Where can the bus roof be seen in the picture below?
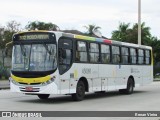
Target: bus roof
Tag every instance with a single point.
(102, 40)
(88, 38)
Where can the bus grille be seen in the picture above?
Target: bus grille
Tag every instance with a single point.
(34, 89)
(29, 84)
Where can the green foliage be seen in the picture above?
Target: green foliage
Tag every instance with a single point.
(41, 26)
(90, 29)
(122, 33)
(126, 34)
(7, 33)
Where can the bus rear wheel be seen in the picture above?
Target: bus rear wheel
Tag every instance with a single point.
(43, 96)
(80, 92)
(130, 87)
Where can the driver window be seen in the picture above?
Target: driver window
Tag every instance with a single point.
(65, 55)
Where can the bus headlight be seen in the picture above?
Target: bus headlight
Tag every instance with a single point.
(13, 81)
(49, 81)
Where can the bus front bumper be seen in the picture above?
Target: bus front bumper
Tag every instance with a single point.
(37, 89)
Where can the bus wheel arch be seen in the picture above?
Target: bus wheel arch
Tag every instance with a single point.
(81, 88)
(130, 86)
(84, 80)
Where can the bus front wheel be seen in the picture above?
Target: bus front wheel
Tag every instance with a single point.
(43, 96)
(80, 92)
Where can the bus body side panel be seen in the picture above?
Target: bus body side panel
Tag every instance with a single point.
(147, 74)
(70, 79)
(122, 74)
(107, 73)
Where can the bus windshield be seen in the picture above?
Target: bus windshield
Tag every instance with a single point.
(34, 57)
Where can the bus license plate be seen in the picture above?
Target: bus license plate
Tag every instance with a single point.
(29, 89)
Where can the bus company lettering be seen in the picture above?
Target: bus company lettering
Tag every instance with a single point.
(34, 37)
(86, 70)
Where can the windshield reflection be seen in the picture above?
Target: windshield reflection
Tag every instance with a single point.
(35, 57)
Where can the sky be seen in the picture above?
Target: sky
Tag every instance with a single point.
(75, 14)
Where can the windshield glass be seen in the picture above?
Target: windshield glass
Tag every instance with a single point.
(34, 57)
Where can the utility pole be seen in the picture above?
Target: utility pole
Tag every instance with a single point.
(139, 22)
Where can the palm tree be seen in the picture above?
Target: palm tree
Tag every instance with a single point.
(145, 34)
(121, 33)
(90, 29)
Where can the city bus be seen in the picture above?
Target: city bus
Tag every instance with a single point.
(55, 62)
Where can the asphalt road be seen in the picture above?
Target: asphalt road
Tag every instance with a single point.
(145, 98)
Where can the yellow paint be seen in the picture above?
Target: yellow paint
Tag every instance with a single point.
(31, 80)
(75, 74)
(32, 31)
(152, 57)
(84, 37)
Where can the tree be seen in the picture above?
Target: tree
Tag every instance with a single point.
(145, 34)
(41, 26)
(90, 29)
(122, 32)
(126, 34)
(8, 31)
(13, 26)
(6, 37)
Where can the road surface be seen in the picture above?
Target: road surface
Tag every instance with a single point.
(145, 98)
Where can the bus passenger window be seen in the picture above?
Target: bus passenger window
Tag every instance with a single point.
(94, 52)
(125, 55)
(147, 57)
(105, 53)
(133, 56)
(140, 56)
(81, 53)
(115, 54)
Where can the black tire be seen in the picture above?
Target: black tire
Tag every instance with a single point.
(130, 87)
(80, 92)
(43, 96)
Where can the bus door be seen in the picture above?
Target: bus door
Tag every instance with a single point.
(65, 60)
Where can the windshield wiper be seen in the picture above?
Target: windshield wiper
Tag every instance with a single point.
(23, 50)
(46, 47)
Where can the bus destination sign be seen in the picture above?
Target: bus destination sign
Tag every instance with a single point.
(34, 37)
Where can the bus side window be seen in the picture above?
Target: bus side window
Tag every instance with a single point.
(65, 55)
(105, 53)
(140, 56)
(116, 54)
(133, 56)
(81, 52)
(147, 57)
(94, 52)
(125, 55)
